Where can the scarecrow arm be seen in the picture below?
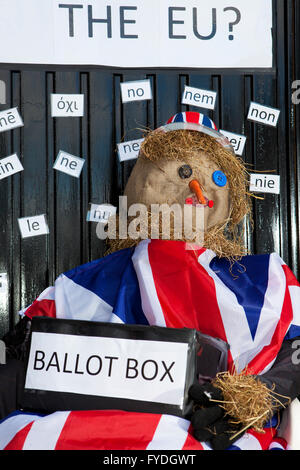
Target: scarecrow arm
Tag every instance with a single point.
(209, 420)
(285, 372)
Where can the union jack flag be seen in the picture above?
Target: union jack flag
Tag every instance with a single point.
(194, 117)
(253, 305)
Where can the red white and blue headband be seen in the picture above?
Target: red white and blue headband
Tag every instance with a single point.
(194, 121)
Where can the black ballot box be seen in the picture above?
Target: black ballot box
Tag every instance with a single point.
(81, 365)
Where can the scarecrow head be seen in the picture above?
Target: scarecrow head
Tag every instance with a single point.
(188, 162)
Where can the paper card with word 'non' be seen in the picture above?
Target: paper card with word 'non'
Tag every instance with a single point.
(263, 114)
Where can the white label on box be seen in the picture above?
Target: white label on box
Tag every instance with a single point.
(69, 164)
(262, 183)
(136, 91)
(264, 114)
(10, 119)
(33, 226)
(237, 141)
(101, 212)
(129, 150)
(152, 371)
(67, 105)
(10, 165)
(197, 97)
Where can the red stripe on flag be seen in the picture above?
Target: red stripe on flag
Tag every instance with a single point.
(192, 116)
(264, 438)
(191, 443)
(42, 308)
(186, 292)
(268, 353)
(18, 440)
(279, 440)
(290, 277)
(169, 121)
(107, 430)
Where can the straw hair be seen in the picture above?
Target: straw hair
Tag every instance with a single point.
(247, 401)
(185, 144)
(226, 239)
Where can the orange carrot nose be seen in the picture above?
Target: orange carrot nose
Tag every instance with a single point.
(196, 188)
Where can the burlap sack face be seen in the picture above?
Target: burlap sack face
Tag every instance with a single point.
(159, 183)
(155, 180)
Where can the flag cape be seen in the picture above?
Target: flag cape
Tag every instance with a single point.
(114, 430)
(253, 305)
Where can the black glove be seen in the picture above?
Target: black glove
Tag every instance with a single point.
(209, 421)
(16, 340)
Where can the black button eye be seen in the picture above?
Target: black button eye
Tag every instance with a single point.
(185, 171)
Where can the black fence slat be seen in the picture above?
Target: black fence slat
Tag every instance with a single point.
(34, 185)
(167, 96)
(50, 156)
(102, 149)
(85, 195)
(267, 211)
(6, 216)
(295, 167)
(134, 120)
(16, 204)
(204, 82)
(68, 213)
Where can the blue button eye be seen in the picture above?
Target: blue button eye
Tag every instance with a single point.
(219, 178)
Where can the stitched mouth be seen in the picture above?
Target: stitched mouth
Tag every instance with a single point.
(193, 200)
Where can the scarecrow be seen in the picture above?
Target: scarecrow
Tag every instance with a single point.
(203, 279)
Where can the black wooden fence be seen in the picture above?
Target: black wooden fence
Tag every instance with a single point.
(33, 263)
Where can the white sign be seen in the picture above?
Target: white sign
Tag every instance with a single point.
(33, 226)
(264, 114)
(264, 183)
(69, 164)
(136, 91)
(100, 212)
(148, 33)
(237, 141)
(3, 284)
(109, 367)
(9, 166)
(67, 105)
(198, 97)
(129, 150)
(10, 119)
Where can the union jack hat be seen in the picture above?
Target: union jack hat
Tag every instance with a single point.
(191, 120)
